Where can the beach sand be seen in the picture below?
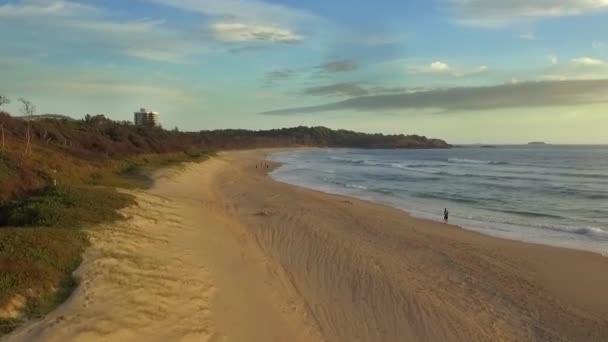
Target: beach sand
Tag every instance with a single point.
(220, 252)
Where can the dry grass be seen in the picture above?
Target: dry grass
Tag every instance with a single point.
(41, 240)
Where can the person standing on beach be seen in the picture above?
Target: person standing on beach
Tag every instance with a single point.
(445, 215)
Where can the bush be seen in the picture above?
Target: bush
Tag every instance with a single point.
(37, 264)
(65, 207)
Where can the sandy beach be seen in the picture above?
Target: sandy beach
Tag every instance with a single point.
(218, 251)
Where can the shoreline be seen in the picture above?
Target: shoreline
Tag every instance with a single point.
(221, 251)
(470, 225)
(461, 284)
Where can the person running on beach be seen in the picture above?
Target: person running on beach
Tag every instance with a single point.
(445, 215)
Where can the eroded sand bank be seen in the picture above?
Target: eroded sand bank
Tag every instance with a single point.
(220, 252)
(180, 268)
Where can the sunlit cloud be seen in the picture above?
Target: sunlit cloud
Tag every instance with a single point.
(441, 68)
(588, 61)
(240, 32)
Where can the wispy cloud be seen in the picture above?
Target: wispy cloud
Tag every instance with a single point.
(580, 68)
(588, 61)
(158, 55)
(98, 29)
(273, 76)
(249, 11)
(500, 13)
(248, 20)
(343, 65)
(46, 8)
(513, 95)
(109, 83)
(596, 45)
(528, 36)
(320, 71)
(349, 89)
(241, 32)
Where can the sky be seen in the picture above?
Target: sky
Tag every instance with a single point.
(467, 71)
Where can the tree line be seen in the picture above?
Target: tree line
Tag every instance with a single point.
(96, 136)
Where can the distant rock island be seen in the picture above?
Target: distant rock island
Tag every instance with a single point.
(537, 143)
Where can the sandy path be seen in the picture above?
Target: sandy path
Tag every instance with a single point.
(372, 273)
(179, 269)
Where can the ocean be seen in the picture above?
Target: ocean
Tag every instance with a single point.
(555, 195)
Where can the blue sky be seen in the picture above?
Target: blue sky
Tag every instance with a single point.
(464, 70)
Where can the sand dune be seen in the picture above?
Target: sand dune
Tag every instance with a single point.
(179, 269)
(221, 252)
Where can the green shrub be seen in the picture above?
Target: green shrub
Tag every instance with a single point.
(65, 207)
(37, 263)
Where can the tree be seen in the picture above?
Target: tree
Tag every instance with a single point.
(3, 100)
(2, 133)
(28, 109)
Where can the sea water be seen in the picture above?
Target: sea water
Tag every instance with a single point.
(556, 195)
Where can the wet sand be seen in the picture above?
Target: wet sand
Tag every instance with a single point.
(373, 273)
(221, 252)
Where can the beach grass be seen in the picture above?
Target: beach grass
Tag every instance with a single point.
(36, 265)
(42, 237)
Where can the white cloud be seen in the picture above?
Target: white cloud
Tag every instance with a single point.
(240, 32)
(439, 67)
(251, 20)
(553, 59)
(442, 68)
(581, 68)
(158, 55)
(436, 67)
(588, 61)
(498, 13)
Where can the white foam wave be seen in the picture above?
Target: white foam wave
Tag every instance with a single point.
(474, 161)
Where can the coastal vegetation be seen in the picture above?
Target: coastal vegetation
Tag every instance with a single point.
(59, 175)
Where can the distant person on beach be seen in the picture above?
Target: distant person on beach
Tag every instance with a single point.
(445, 215)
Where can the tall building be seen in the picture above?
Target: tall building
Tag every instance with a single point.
(146, 118)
